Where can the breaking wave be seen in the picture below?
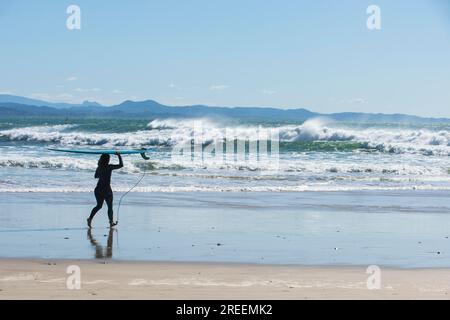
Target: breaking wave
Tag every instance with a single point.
(317, 155)
(296, 167)
(313, 135)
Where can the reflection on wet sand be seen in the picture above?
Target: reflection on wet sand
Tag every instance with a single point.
(100, 252)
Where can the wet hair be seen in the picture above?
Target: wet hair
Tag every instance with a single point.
(103, 161)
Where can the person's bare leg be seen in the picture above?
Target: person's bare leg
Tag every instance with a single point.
(97, 208)
(109, 203)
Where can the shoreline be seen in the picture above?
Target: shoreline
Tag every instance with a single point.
(238, 190)
(46, 279)
(221, 263)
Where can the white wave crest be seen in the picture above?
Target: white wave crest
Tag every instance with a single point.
(171, 132)
(209, 189)
(60, 135)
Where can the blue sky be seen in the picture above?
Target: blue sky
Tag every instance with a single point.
(313, 54)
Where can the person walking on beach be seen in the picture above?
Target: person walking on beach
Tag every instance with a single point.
(103, 191)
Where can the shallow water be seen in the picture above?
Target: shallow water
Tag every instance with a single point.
(402, 229)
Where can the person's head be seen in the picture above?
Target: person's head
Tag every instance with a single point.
(103, 161)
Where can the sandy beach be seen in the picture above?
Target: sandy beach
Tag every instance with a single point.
(227, 246)
(45, 279)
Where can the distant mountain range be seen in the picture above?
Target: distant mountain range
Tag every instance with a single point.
(7, 98)
(15, 106)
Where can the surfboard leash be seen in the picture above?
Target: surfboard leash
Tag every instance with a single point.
(126, 193)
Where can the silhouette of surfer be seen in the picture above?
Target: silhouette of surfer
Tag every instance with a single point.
(103, 191)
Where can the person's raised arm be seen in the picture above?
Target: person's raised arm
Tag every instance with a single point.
(118, 166)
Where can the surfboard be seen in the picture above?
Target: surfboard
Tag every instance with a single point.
(93, 151)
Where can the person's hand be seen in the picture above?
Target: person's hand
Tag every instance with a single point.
(117, 153)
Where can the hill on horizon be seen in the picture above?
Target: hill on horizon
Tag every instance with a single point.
(16, 106)
(8, 98)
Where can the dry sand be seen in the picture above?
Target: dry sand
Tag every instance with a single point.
(45, 279)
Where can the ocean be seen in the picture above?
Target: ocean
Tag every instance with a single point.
(317, 155)
(327, 193)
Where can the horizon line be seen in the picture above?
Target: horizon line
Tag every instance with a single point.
(215, 106)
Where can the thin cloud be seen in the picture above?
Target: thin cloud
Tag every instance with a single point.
(268, 92)
(42, 96)
(54, 98)
(355, 101)
(349, 101)
(87, 90)
(218, 87)
(73, 78)
(65, 96)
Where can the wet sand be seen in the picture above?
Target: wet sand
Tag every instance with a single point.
(409, 229)
(228, 246)
(46, 279)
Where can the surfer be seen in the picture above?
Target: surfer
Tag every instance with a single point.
(103, 191)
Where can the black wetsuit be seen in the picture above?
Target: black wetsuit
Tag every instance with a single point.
(103, 191)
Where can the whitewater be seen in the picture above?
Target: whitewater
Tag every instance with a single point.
(317, 155)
